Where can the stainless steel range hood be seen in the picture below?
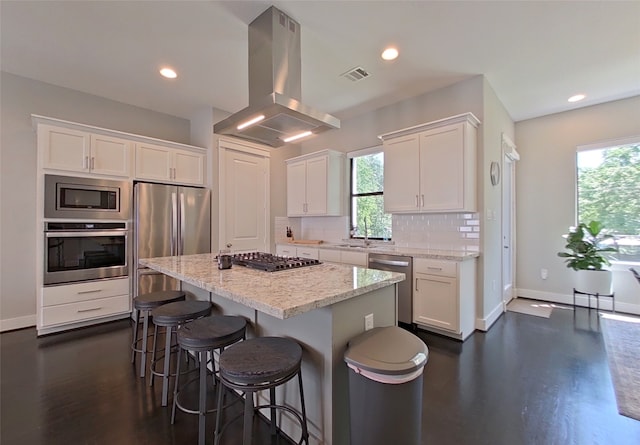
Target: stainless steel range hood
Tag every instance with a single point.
(275, 86)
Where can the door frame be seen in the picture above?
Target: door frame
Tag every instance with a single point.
(507, 224)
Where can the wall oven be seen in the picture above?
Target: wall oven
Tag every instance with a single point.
(86, 198)
(81, 251)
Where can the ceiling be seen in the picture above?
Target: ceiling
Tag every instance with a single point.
(534, 54)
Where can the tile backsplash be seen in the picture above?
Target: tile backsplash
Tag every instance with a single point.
(444, 231)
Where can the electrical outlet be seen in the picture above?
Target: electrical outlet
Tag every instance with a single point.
(544, 273)
(368, 322)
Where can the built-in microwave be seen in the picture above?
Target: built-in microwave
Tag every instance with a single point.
(86, 198)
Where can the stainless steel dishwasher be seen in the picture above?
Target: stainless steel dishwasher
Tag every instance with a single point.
(402, 264)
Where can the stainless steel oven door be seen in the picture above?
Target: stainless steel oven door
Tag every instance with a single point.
(72, 256)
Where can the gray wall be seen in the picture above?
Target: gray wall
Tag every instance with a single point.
(19, 98)
(472, 95)
(546, 195)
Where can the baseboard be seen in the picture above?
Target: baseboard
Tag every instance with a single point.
(483, 324)
(581, 300)
(11, 324)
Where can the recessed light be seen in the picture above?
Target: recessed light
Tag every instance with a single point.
(576, 98)
(168, 73)
(390, 53)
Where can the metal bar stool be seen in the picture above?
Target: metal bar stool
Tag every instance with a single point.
(256, 365)
(201, 336)
(171, 316)
(146, 303)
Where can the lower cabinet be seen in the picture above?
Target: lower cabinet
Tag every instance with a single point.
(300, 252)
(444, 296)
(83, 302)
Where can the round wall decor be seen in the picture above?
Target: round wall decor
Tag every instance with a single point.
(494, 173)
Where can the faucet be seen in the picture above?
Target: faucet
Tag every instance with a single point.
(366, 233)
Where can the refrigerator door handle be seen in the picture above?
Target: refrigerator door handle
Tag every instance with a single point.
(174, 224)
(182, 224)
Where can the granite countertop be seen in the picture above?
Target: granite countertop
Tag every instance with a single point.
(391, 249)
(282, 294)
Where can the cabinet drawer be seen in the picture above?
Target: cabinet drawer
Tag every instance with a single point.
(332, 256)
(306, 252)
(355, 258)
(436, 267)
(285, 251)
(74, 293)
(84, 310)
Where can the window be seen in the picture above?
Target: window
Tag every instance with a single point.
(609, 192)
(367, 195)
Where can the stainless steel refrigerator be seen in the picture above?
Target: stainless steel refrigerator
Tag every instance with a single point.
(168, 220)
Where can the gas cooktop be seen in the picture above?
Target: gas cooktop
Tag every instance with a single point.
(269, 262)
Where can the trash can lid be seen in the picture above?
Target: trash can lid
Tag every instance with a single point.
(387, 350)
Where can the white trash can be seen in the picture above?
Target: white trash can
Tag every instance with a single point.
(385, 386)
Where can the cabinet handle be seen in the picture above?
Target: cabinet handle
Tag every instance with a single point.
(85, 162)
(89, 291)
(417, 201)
(434, 268)
(93, 163)
(422, 200)
(89, 310)
(416, 284)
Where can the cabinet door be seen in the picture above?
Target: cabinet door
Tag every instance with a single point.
(64, 149)
(316, 186)
(188, 167)
(153, 162)
(442, 168)
(435, 302)
(110, 156)
(296, 185)
(354, 258)
(401, 180)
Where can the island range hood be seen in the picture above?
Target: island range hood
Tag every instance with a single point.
(275, 114)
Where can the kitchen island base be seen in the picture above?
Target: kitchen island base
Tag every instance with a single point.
(323, 334)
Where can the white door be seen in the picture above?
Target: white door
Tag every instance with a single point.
(316, 186)
(510, 156)
(401, 174)
(244, 191)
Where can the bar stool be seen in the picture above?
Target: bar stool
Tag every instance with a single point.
(201, 336)
(146, 303)
(258, 364)
(171, 316)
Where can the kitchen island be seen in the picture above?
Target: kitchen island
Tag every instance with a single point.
(322, 307)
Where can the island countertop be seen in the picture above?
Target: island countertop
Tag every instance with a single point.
(281, 294)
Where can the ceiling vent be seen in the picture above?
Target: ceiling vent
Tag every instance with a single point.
(356, 74)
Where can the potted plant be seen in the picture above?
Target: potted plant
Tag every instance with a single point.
(587, 246)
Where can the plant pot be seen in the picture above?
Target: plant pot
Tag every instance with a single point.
(594, 282)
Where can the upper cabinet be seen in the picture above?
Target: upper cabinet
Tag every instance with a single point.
(432, 167)
(81, 151)
(314, 184)
(73, 147)
(159, 163)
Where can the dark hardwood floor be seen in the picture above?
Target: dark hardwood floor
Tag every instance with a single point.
(529, 380)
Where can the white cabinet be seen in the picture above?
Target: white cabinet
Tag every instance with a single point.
(80, 151)
(297, 252)
(444, 296)
(168, 164)
(343, 257)
(75, 303)
(314, 184)
(431, 167)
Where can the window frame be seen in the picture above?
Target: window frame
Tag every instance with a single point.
(356, 154)
(611, 143)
